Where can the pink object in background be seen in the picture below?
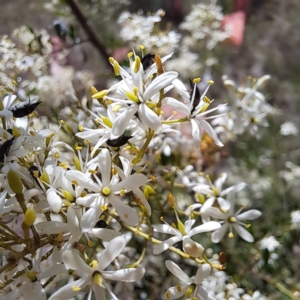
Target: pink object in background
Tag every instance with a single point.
(236, 21)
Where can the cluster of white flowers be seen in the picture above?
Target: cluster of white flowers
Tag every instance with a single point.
(67, 211)
(204, 24)
(291, 176)
(247, 109)
(143, 30)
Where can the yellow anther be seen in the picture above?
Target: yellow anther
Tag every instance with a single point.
(94, 172)
(137, 64)
(32, 133)
(130, 54)
(196, 80)
(248, 225)
(76, 288)
(93, 90)
(153, 178)
(206, 100)
(64, 166)
(106, 121)
(103, 207)
(62, 122)
(132, 96)
(83, 194)
(77, 147)
(178, 288)
(75, 182)
(167, 295)
(230, 235)
(80, 127)
(171, 200)
(122, 192)
(94, 264)
(113, 171)
(116, 108)
(216, 192)
(201, 198)
(173, 225)
(68, 195)
(161, 218)
(90, 243)
(87, 141)
(56, 155)
(210, 82)
(100, 94)
(142, 47)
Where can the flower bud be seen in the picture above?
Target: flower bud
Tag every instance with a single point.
(30, 217)
(15, 182)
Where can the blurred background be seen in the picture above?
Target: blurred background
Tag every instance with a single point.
(62, 47)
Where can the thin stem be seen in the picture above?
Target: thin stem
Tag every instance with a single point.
(90, 30)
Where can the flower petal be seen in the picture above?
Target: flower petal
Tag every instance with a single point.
(243, 233)
(177, 271)
(206, 227)
(159, 83)
(127, 214)
(52, 227)
(113, 249)
(217, 236)
(104, 234)
(125, 275)
(149, 117)
(210, 131)
(104, 160)
(177, 105)
(73, 261)
(196, 133)
(202, 273)
(122, 121)
(131, 182)
(90, 218)
(54, 200)
(83, 180)
(67, 291)
(251, 214)
(166, 228)
(157, 249)
(173, 292)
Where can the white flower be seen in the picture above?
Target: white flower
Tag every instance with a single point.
(232, 220)
(269, 243)
(183, 233)
(288, 128)
(179, 290)
(295, 216)
(215, 192)
(139, 98)
(104, 189)
(195, 110)
(95, 277)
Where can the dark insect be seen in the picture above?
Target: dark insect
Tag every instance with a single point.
(34, 172)
(4, 149)
(118, 142)
(197, 95)
(101, 224)
(148, 60)
(24, 110)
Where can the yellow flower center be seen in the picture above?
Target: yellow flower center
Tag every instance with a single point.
(106, 191)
